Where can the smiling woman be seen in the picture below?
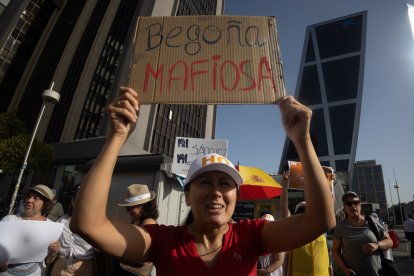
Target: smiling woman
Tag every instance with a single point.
(210, 243)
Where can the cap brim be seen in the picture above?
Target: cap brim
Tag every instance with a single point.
(42, 193)
(138, 202)
(221, 167)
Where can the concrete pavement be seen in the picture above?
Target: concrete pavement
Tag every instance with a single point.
(402, 255)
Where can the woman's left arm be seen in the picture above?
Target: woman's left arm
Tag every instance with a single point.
(384, 244)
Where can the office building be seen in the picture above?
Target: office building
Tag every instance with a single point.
(330, 82)
(368, 183)
(85, 48)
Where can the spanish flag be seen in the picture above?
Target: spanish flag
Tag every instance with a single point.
(257, 184)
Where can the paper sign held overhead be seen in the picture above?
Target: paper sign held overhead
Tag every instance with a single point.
(188, 149)
(207, 60)
(297, 180)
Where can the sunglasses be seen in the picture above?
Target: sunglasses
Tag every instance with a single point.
(353, 202)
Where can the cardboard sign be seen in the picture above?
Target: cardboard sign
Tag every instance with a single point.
(297, 181)
(188, 149)
(206, 60)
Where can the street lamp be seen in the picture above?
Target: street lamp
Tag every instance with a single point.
(396, 186)
(48, 96)
(392, 203)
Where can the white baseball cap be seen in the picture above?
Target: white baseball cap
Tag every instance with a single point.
(212, 162)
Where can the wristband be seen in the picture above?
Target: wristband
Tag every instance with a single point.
(379, 244)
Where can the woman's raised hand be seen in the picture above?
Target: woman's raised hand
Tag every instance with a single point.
(295, 118)
(123, 112)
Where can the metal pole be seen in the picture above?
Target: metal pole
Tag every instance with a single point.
(396, 186)
(48, 96)
(392, 203)
(24, 165)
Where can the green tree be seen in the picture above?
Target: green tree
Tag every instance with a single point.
(14, 141)
(11, 126)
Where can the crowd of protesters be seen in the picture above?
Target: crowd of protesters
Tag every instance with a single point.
(210, 242)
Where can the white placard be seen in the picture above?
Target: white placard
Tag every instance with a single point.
(187, 149)
(27, 241)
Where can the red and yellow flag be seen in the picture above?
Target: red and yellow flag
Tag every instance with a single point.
(257, 184)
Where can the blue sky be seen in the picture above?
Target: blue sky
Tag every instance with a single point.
(256, 136)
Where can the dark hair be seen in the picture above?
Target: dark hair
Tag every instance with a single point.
(301, 210)
(348, 194)
(47, 204)
(150, 210)
(189, 219)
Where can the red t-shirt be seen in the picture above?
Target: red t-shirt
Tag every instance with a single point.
(173, 251)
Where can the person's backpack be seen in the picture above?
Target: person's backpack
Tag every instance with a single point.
(395, 239)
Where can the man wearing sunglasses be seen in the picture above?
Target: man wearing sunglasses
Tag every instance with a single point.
(355, 248)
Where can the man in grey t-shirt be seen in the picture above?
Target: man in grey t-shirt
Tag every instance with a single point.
(353, 238)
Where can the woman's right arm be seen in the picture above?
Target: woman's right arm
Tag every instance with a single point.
(337, 255)
(89, 219)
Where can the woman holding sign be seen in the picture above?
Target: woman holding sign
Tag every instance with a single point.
(211, 244)
(37, 203)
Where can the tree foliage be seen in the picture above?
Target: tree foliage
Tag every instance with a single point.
(11, 126)
(14, 141)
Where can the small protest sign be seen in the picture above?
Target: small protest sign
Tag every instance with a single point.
(207, 60)
(297, 181)
(187, 149)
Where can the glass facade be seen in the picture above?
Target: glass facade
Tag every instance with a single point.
(368, 182)
(19, 46)
(330, 83)
(74, 74)
(48, 61)
(91, 123)
(170, 120)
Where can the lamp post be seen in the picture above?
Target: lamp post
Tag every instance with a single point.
(48, 96)
(396, 186)
(392, 203)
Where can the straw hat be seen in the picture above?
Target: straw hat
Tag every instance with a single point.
(137, 194)
(212, 162)
(300, 205)
(44, 190)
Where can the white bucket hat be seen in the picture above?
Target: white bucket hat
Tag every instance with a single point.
(137, 194)
(212, 162)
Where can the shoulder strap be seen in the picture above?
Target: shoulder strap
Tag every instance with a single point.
(372, 225)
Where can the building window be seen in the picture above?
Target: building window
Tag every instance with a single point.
(318, 132)
(339, 37)
(93, 112)
(341, 78)
(342, 124)
(342, 165)
(310, 90)
(310, 52)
